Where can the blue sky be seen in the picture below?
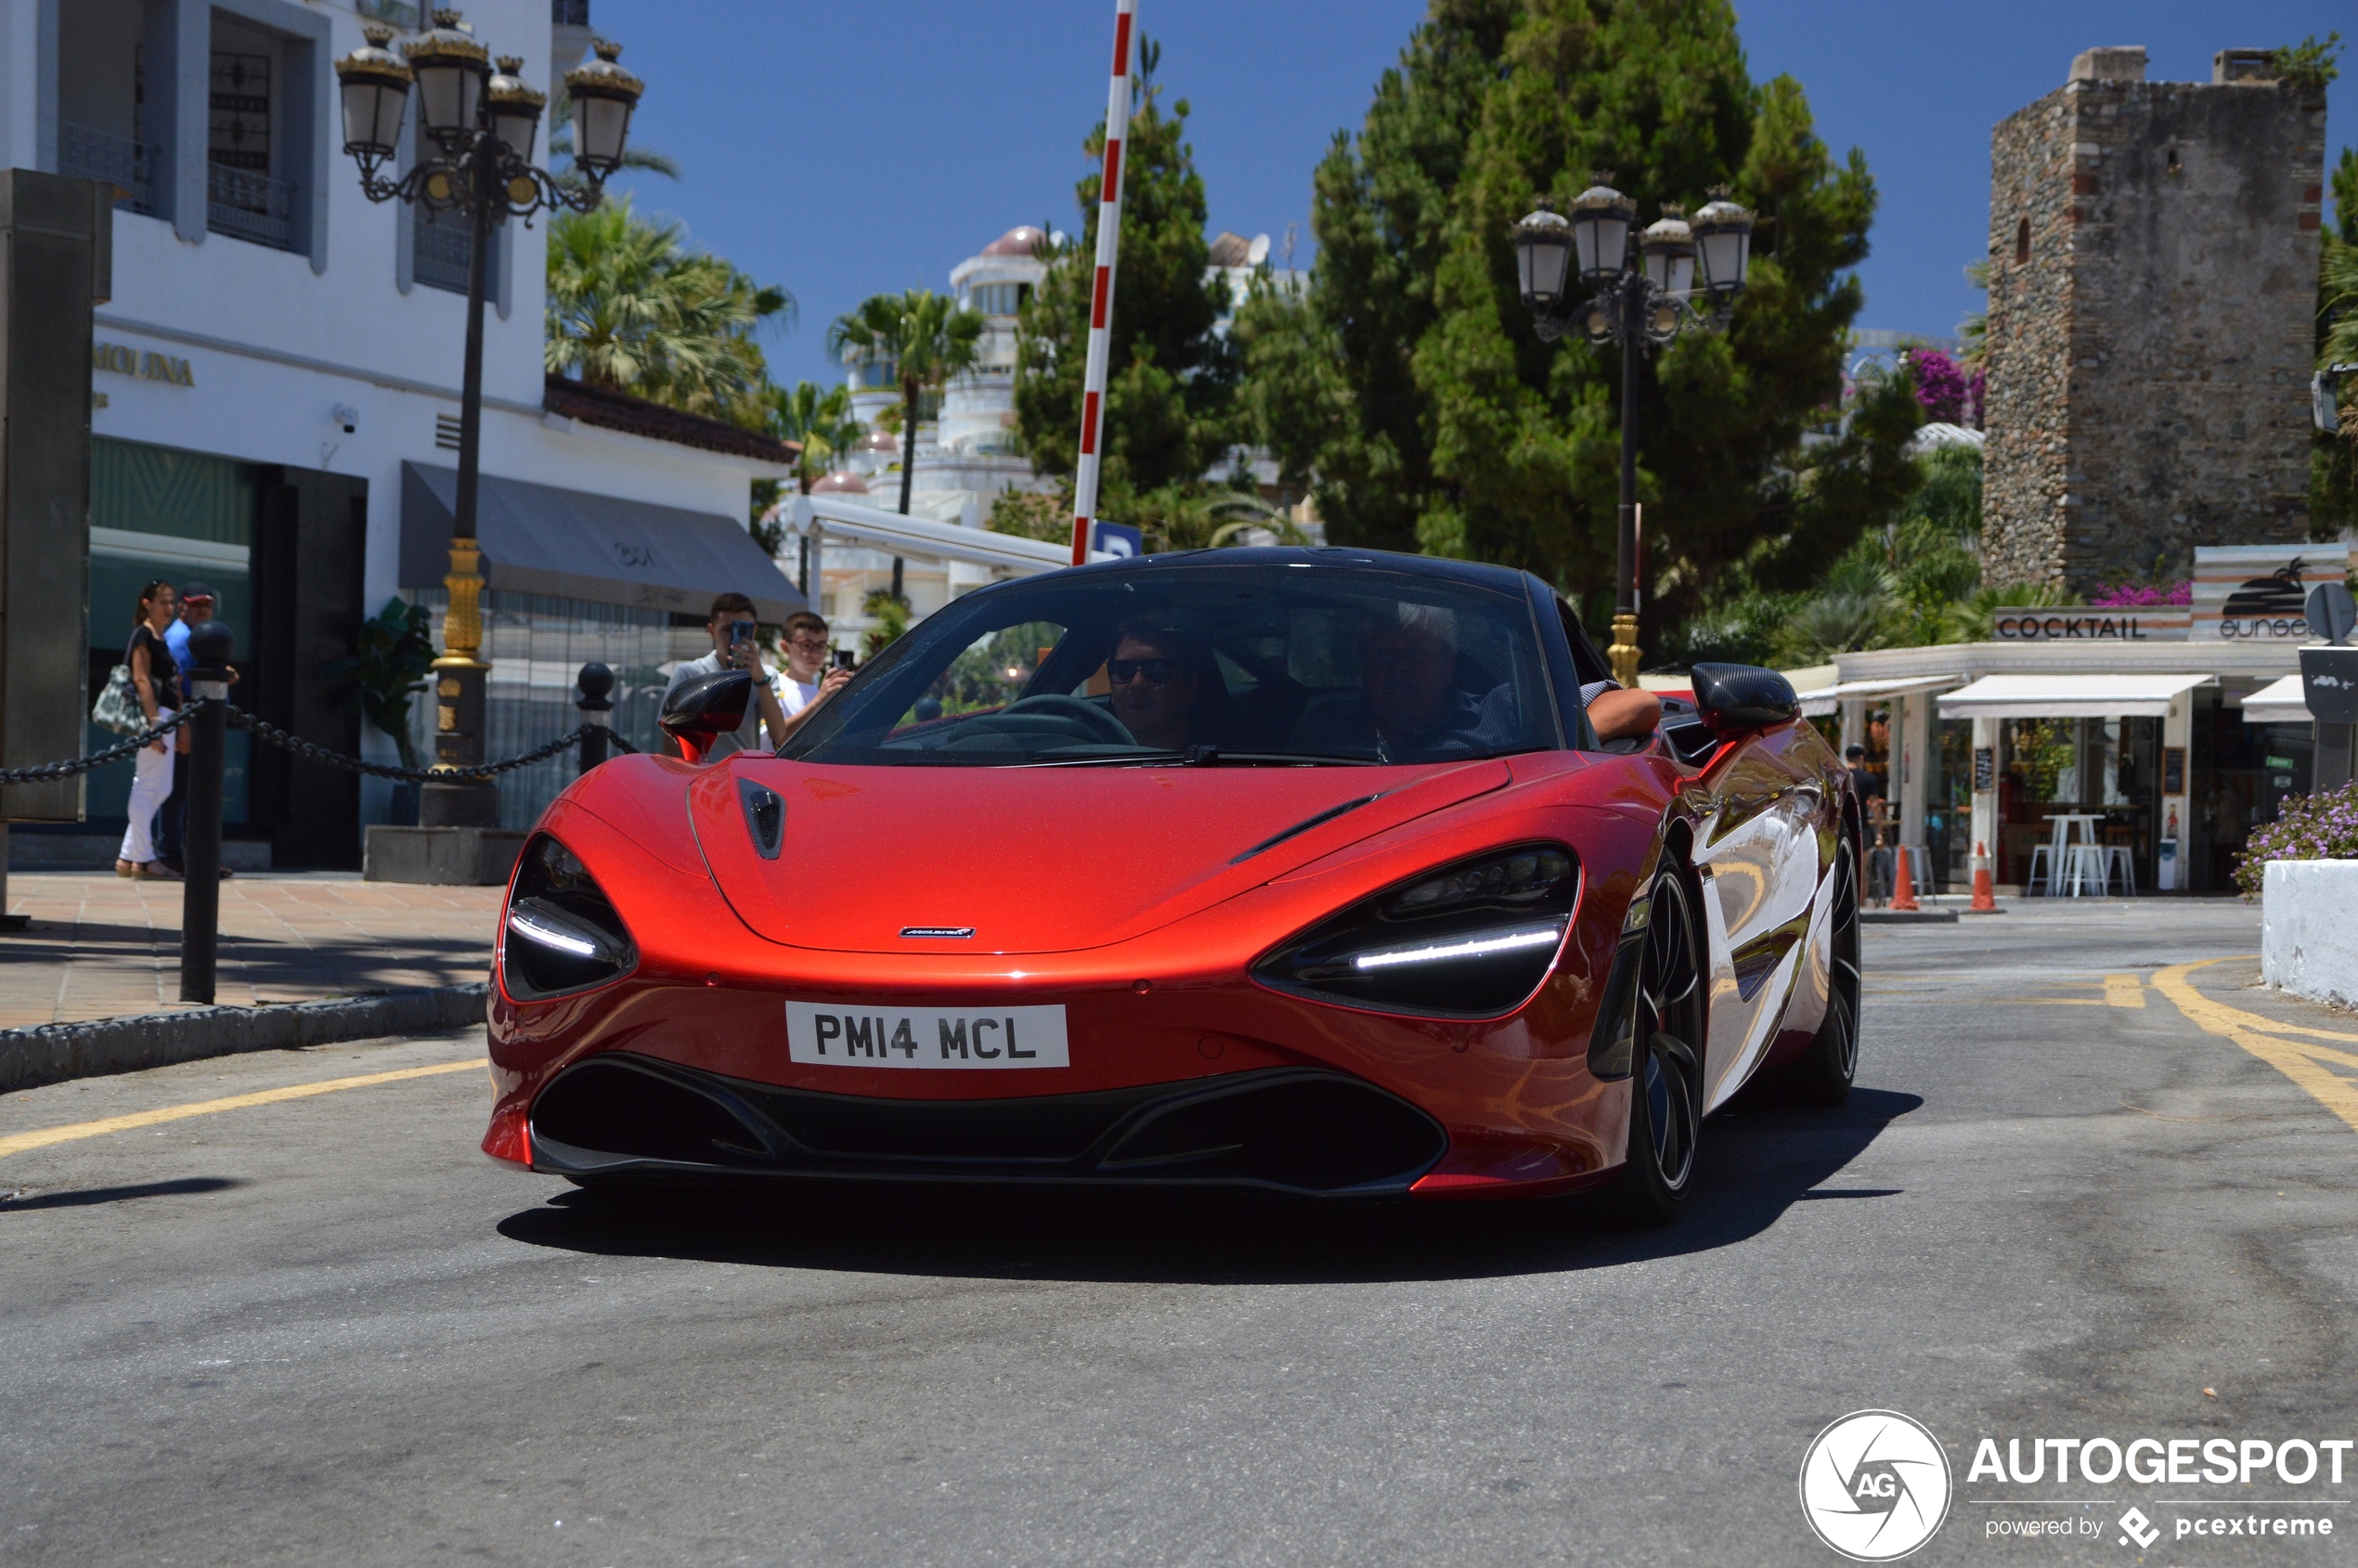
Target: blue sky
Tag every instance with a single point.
(844, 150)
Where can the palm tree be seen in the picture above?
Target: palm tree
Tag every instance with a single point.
(820, 420)
(630, 308)
(927, 338)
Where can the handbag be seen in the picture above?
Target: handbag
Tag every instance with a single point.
(118, 707)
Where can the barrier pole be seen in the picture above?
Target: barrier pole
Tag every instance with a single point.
(596, 706)
(210, 646)
(1093, 383)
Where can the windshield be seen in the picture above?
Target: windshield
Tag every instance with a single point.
(1209, 664)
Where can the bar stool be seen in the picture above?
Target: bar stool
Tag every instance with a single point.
(2084, 871)
(2041, 878)
(2119, 859)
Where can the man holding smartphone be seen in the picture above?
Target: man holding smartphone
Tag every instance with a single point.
(807, 678)
(735, 628)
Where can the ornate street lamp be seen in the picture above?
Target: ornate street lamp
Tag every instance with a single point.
(1642, 303)
(476, 130)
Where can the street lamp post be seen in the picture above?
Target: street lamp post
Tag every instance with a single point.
(476, 128)
(1645, 292)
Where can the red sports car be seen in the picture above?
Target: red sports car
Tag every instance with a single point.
(1299, 871)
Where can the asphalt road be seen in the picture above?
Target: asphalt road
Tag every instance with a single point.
(323, 1329)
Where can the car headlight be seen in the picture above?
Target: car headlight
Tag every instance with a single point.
(1469, 940)
(563, 932)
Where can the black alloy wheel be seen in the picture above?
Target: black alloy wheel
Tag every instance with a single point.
(1665, 1101)
(1822, 1076)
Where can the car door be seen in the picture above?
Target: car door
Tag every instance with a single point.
(1757, 855)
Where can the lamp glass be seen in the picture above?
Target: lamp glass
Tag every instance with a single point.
(1602, 235)
(600, 129)
(1543, 250)
(372, 110)
(517, 124)
(449, 96)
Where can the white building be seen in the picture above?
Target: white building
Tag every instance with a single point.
(275, 398)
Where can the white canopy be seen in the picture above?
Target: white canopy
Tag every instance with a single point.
(1826, 699)
(2280, 701)
(2069, 696)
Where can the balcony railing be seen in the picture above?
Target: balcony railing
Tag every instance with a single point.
(439, 258)
(129, 166)
(249, 206)
(393, 13)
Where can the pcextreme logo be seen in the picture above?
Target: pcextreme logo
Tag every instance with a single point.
(1875, 1486)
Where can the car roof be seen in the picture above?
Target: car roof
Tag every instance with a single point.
(1503, 579)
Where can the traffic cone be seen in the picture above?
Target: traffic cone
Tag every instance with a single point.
(1985, 896)
(1903, 880)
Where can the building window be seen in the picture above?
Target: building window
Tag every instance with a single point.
(244, 195)
(101, 131)
(2021, 241)
(998, 299)
(438, 253)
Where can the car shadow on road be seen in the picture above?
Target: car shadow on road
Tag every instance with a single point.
(1757, 1160)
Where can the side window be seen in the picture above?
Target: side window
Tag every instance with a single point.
(989, 673)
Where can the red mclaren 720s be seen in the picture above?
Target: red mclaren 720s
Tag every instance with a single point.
(1301, 872)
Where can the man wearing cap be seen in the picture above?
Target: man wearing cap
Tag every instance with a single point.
(196, 602)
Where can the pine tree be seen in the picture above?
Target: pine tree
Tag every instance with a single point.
(1412, 385)
(1170, 377)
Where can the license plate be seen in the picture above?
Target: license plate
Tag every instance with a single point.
(826, 1034)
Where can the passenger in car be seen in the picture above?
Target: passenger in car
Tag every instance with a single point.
(1411, 707)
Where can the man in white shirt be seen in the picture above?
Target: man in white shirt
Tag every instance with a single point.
(735, 628)
(806, 678)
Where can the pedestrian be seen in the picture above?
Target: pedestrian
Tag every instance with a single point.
(1868, 785)
(735, 628)
(806, 678)
(197, 605)
(153, 678)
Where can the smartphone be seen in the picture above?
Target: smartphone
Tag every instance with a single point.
(742, 632)
(843, 658)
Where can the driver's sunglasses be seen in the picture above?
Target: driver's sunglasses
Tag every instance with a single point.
(1157, 672)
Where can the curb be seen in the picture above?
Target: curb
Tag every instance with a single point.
(1908, 916)
(56, 1053)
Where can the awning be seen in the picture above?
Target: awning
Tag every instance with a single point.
(2069, 696)
(1827, 699)
(571, 544)
(2282, 701)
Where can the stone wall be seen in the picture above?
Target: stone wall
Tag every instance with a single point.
(2149, 355)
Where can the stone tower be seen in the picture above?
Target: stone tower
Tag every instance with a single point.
(2153, 285)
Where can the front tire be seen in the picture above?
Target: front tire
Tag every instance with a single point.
(1665, 1083)
(1822, 1075)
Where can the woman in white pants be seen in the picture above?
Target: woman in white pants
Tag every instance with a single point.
(153, 674)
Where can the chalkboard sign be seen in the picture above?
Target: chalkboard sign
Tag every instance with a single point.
(1985, 769)
(2173, 770)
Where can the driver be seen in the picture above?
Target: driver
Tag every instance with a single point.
(1411, 703)
(1162, 680)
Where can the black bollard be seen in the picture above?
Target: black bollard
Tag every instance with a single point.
(596, 703)
(210, 646)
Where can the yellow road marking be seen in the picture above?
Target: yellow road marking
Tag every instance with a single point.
(2124, 991)
(2305, 1064)
(42, 1138)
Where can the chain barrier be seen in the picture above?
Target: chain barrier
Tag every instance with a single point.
(49, 772)
(264, 729)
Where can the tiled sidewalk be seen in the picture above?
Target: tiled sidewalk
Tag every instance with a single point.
(100, 946)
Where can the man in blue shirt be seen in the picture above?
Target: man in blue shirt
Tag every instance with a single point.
(196, 603)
